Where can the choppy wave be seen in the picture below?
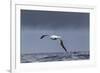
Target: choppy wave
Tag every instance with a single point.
(47, 57)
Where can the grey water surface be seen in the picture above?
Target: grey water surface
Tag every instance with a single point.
(48, 57)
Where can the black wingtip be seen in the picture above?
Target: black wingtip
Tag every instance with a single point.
(61, 43)
(43, 36)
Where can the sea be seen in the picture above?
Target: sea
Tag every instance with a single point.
(55, 56)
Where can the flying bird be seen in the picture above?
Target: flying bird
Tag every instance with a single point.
(55, 37)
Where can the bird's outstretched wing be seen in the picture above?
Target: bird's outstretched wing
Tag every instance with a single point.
(61, 43)
(43, 36)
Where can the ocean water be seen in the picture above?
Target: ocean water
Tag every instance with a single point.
(57, 56)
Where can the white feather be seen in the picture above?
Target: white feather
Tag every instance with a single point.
(55, 36)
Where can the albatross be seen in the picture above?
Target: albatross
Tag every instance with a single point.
(55, 37)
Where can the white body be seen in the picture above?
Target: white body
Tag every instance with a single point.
(55, 37)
